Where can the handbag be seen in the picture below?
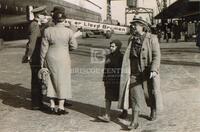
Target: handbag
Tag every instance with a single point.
(44, 76)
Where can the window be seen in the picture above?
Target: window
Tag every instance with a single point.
(16, 8)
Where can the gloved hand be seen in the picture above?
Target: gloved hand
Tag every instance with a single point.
(25, 59)
(153, 74)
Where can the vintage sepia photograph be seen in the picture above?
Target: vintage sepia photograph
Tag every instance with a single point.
(99, 65)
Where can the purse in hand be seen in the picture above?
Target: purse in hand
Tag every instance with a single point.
(44, 75)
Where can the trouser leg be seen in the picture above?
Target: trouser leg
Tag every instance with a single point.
(36, 90)
(135, 98)
(108, 106)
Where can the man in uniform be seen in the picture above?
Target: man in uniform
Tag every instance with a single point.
(32, 55)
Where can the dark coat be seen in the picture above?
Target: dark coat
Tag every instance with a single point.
(176, 32)
(198, 36)
(111, 77)
(34, 43)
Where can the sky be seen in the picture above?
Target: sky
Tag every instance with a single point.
(117, 8)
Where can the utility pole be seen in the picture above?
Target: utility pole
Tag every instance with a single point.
(134, 9)
(164, 4)
(108, 15)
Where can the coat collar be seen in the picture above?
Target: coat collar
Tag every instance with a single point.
(60, 25)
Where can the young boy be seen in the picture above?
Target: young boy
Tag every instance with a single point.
(111, 77)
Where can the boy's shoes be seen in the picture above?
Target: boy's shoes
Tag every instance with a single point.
(153, 115)
(134, 126)
(35, 108)
(104, 118)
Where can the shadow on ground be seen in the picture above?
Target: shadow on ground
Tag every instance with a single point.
(94, 111)
(184, 63)
(15, 95)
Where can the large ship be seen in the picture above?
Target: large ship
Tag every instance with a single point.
(13, 22)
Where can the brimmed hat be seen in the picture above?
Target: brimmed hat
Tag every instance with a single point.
(40, 10)
(58, 9)
(140, 21)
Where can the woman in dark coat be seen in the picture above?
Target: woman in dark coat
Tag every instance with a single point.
(111, 77)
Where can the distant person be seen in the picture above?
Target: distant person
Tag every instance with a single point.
(56, 43)
(140, 72)
(167, 32)
(176, 31)
(111, 77)
(198, 36)
(32, 55)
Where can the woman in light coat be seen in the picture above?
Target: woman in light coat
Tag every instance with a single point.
(56, 43)
(140, 73)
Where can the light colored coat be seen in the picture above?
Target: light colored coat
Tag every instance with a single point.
(56, 43)
(149, 58)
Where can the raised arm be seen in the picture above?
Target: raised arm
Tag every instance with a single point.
(72, 41)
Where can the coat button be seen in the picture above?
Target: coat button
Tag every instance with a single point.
(143, 58)
(143, 49)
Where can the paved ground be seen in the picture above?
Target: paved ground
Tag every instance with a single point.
(180, 73)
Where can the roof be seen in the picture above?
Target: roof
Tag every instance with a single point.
(179, 9)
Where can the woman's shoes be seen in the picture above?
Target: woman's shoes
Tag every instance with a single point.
(61, 112)
(134, 126)
(52, 110)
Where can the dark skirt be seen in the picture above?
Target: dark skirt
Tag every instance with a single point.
(112, 91)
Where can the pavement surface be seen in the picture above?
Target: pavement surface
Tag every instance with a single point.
(180, 85)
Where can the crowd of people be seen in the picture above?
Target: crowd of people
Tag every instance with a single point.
(171, 30)
(128, 79)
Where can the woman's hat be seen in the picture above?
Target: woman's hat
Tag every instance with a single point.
(58, 9)
(59, 16)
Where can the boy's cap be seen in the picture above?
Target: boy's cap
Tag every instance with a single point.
(117, 42)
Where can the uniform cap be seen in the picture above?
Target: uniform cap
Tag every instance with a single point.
(40, 9)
